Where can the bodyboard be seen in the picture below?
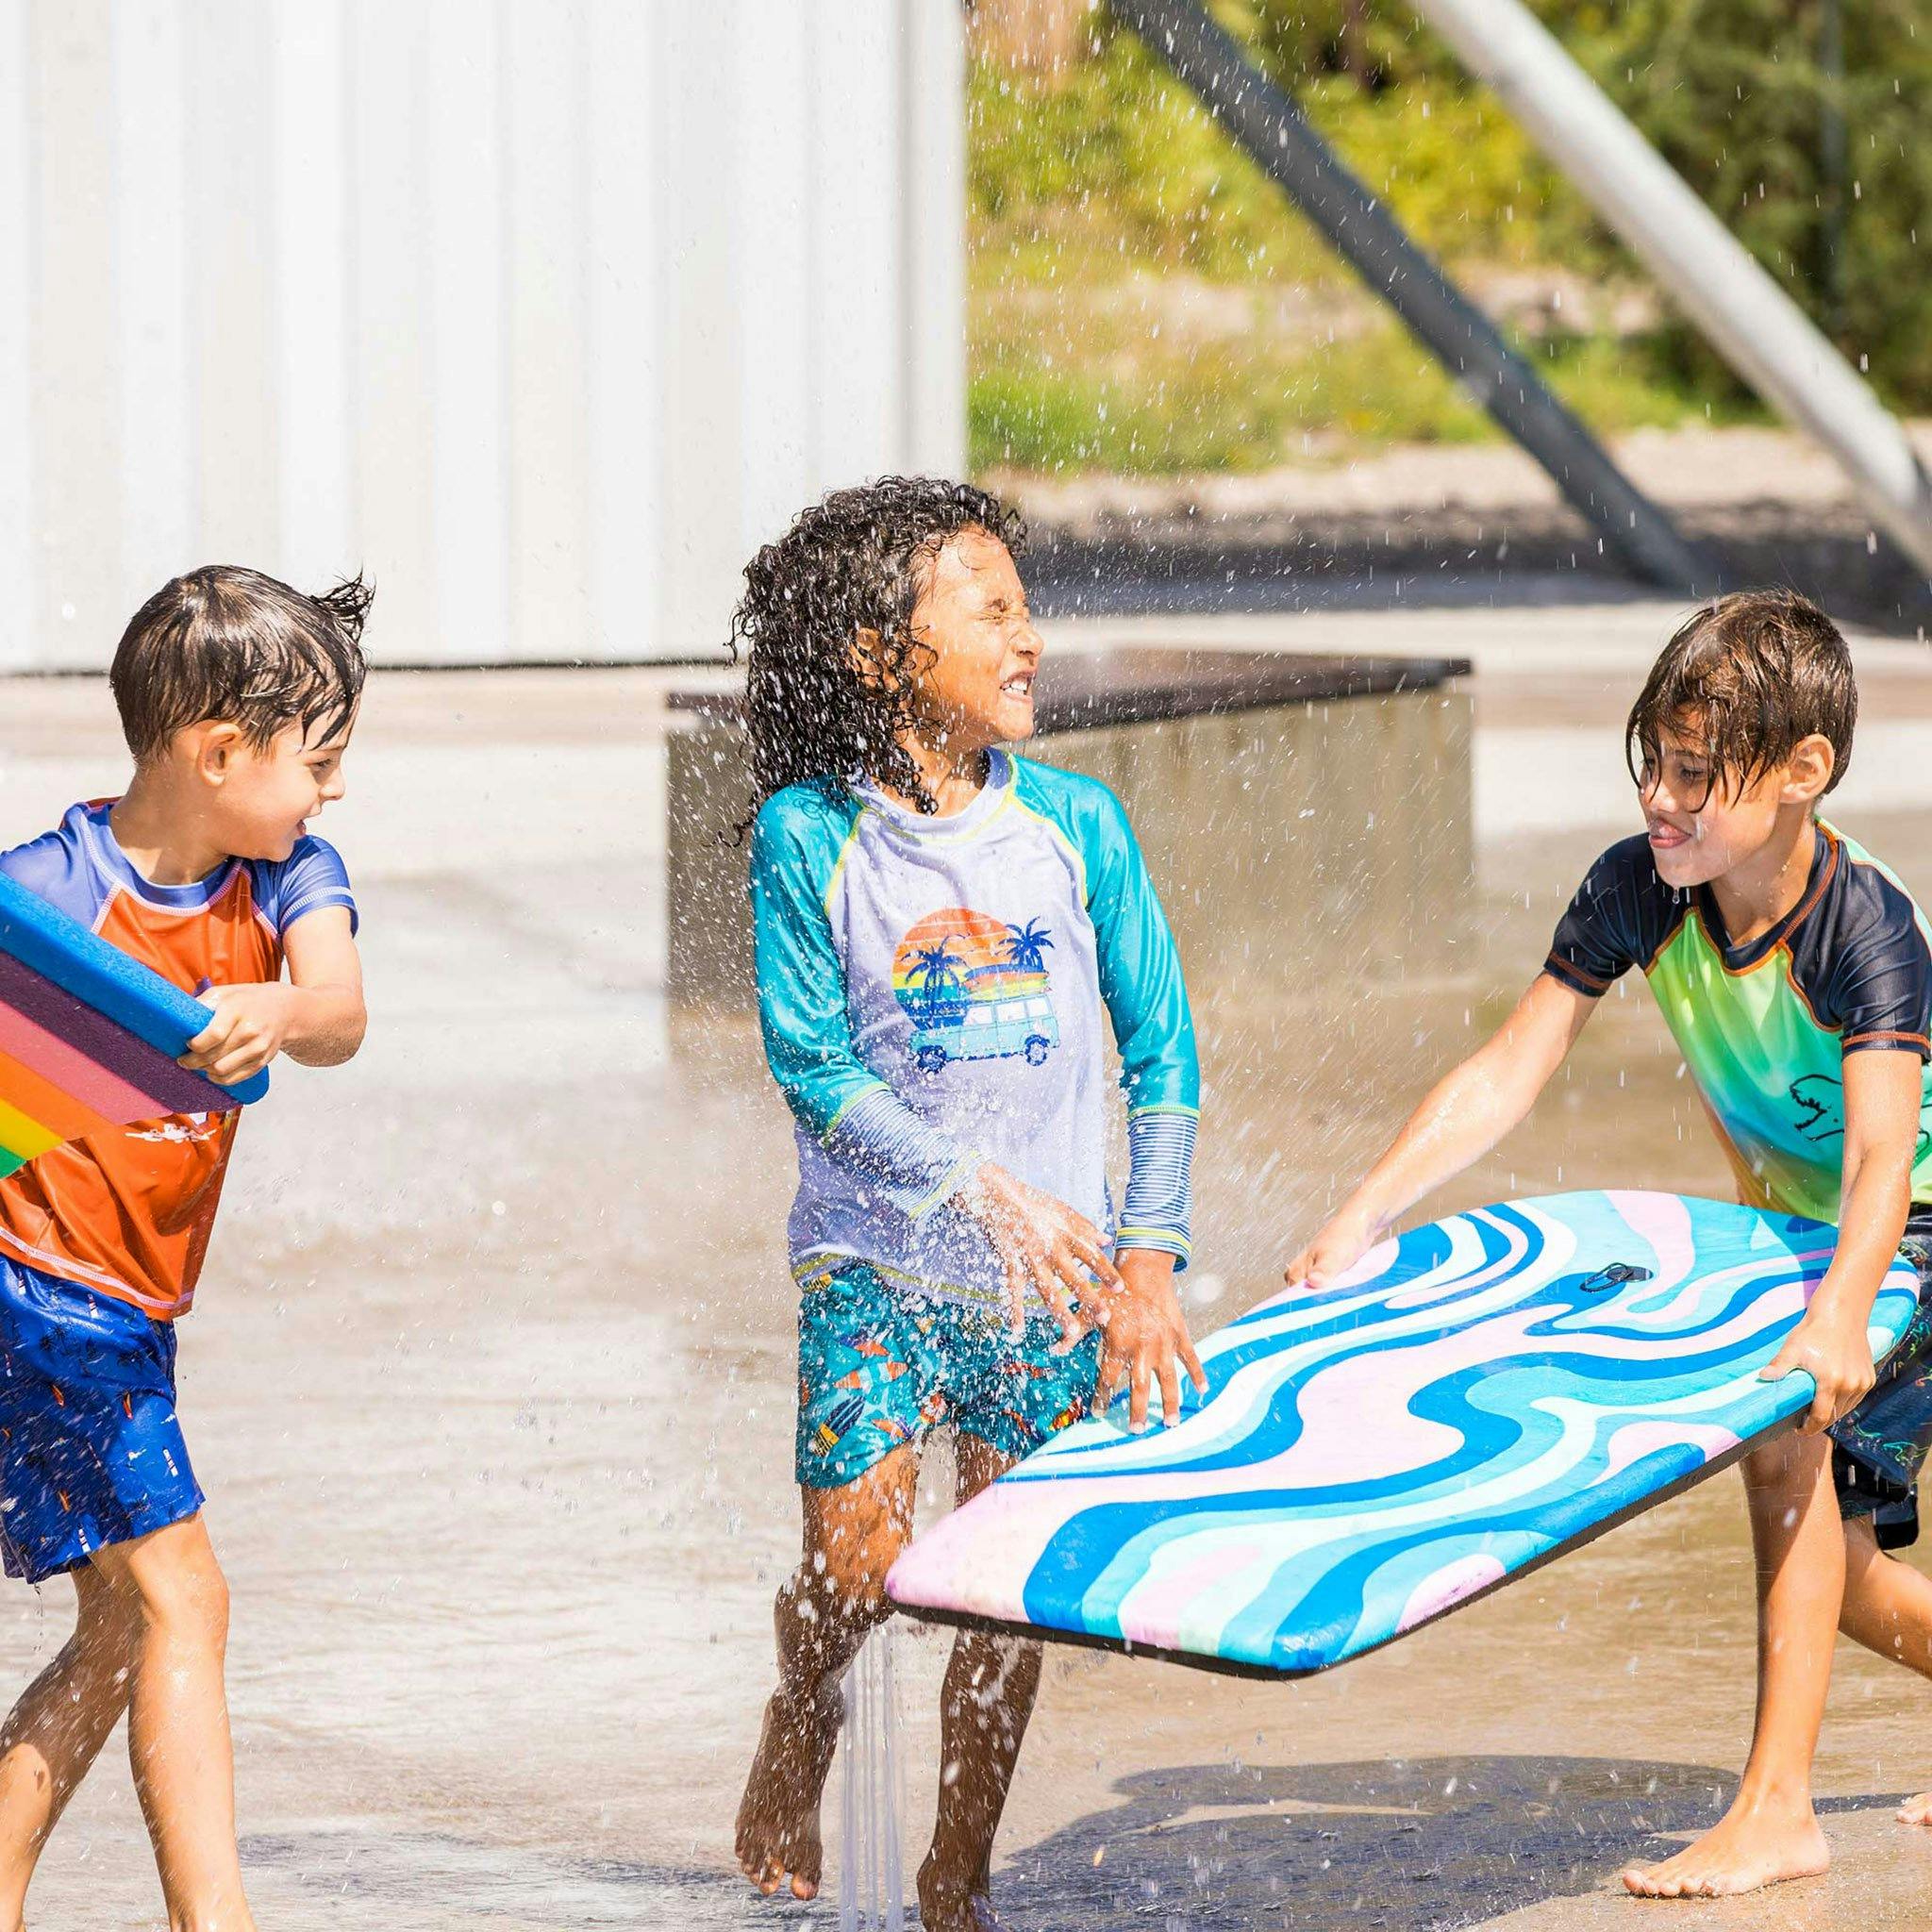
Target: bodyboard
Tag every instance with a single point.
(88, 1036)
(1473, 1399)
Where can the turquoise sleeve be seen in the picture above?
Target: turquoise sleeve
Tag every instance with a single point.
(1146, 996)
(846, 1107)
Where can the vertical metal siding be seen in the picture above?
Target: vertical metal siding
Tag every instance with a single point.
(543, 311)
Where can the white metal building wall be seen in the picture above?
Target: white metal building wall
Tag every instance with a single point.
(543, 311)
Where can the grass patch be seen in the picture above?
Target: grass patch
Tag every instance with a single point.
(1144, 300)
(1155, 413)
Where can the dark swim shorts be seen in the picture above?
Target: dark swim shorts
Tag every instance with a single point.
(1879, 1449)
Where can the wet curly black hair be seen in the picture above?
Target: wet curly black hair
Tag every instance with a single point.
(855, 562)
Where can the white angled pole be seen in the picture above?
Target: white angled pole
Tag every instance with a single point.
(1700, 265)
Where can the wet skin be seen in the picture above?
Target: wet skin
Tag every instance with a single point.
(853, 1535)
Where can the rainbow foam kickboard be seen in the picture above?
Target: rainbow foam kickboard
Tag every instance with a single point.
(89, 1036)
(1472, 1400)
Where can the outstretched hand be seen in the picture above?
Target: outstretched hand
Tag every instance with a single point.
(1333, 1251)
(1836, 1352)
(1045, 1247)
(1144, 1341)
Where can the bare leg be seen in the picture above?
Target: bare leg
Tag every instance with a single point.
(989, 1687)
(1888, 1609)
(852, 1536)
(56, 1731)
(1770, 1832)
(177, 1722)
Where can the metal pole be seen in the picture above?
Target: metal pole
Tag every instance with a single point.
(1700, 266)
(1269, 125)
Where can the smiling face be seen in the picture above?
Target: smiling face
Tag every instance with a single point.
(1704, 823)
(976, 689)
(264, 795)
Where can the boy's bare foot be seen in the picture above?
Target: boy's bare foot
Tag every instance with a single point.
(1748, 1848)
(778, 1845)
(1916, 1810)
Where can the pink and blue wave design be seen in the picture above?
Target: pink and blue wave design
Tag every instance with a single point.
(1473, 1399)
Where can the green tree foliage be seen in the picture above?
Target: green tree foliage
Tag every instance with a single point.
(1734, 94)
(1117, 147)
(1115, 168)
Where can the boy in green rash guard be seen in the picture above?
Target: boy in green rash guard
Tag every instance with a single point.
(1796, 975)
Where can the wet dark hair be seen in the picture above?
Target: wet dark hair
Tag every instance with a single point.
(857, 561)
(232, 644)
(1754, 674)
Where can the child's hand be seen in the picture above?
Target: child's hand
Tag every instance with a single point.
(1334, 1251)
(1836, 1351)
(1042, 1244)
(250, 1026)
(1144, 1339)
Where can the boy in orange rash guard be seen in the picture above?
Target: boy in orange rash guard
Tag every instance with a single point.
(237, 695)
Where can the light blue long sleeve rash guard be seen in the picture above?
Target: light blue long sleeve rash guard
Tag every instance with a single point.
(931, 990)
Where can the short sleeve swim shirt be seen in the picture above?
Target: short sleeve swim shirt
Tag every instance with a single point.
(1765, 1027)
(130, 1212)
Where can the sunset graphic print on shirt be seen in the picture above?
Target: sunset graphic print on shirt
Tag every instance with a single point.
(976, 988)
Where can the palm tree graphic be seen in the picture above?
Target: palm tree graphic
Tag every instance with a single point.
(1029, 945)
(937, 970)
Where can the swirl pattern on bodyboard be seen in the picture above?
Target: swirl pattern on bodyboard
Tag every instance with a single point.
(1471, 1400)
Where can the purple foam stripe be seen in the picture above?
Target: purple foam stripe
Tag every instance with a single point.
(172, 1088)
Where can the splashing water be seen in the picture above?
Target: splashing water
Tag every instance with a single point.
(870, 1881)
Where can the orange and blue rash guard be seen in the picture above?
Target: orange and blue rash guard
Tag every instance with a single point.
(130, 1211)
(1765, 1027)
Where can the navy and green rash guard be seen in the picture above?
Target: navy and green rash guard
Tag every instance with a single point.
(931, 991)
(1765, 1027)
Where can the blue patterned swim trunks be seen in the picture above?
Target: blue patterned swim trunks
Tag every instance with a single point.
(879, 1368)
(91, 1450)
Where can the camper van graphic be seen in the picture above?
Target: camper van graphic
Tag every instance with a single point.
(975, 988)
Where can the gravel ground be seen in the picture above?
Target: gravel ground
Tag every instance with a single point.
(1439, 523)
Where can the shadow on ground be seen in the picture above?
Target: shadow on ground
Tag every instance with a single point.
(1399, 1847)
(1422, 1846)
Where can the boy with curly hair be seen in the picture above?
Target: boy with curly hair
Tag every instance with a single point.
(236, 697)
(942, 927)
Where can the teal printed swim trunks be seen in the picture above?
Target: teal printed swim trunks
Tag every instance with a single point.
(878, 1367)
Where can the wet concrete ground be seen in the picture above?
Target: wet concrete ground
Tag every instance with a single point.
(491, 1380)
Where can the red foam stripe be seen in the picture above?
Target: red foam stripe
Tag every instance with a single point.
(94, 1086)
(168, 1089)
